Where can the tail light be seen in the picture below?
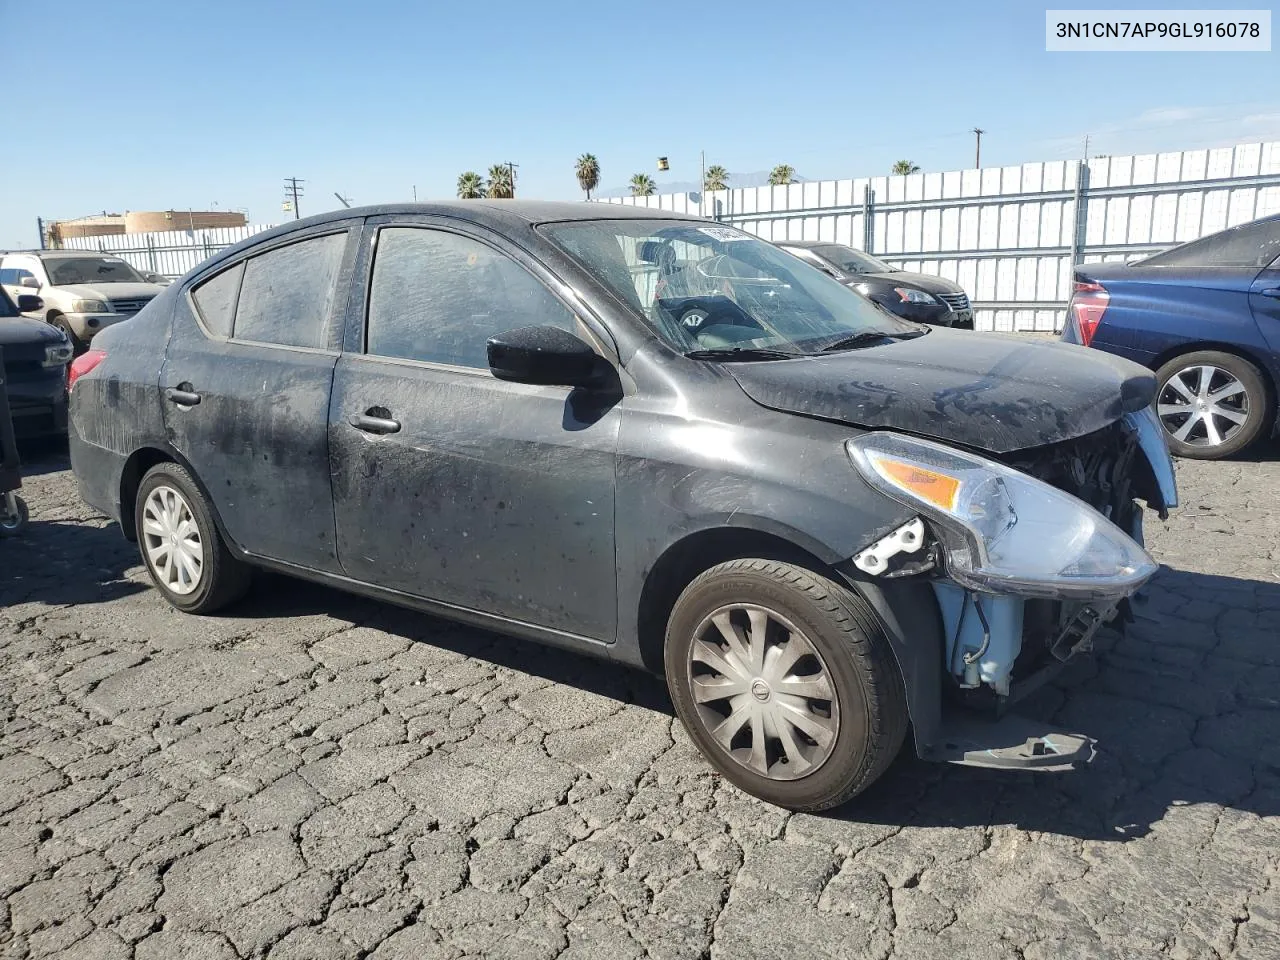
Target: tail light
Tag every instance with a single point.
(1088, 303)
(83, 364)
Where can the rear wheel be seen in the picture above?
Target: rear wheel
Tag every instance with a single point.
(188, 561)
(1211, 404)
(786, 682)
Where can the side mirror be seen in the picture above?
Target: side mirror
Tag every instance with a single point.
(546, 355)
(152, 277)
(31, 282)
(29, 304)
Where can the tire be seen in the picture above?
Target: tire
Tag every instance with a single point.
(78, 346)
(169, 498)
(1181, 383)
(850, 651)
(13, 524)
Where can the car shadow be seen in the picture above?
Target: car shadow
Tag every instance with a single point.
(1155, 751)
(41, 455)
(55, 563)
(279, 596)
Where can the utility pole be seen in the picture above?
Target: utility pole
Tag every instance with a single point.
(292, 191)
(1086, 148)
(415, 193)
(40, 230)
(345, 201)
(512, 168)
(977, 153)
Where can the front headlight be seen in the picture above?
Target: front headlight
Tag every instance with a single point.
(57, 354)
(1004, 531)
(908, 295)
(89, 306)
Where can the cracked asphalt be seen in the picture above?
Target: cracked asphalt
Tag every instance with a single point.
(318, 776)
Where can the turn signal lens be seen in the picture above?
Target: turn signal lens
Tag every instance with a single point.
(936, 488)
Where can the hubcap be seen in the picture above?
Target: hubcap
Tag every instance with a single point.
(763, 692)
(1203, 406)
(172, 541)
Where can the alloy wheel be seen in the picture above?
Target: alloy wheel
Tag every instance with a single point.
(763, 692)
(1203, 405)
(172, 540)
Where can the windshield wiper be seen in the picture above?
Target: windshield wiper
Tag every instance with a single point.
(741, 353)
(870, 336)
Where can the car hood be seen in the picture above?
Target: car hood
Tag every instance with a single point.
(905, 278)
(985, 391)
(23, 330)
(107, 291)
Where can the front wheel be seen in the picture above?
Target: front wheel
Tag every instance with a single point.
(786, 682)
(78, 346)
(1211, 404)
(183, 551)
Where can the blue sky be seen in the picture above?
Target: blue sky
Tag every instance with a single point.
(153, 105)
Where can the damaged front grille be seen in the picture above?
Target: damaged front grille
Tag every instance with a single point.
(1098, 468)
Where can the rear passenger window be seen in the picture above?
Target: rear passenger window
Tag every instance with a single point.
(438, 297)
(216, 300)
(286, 296)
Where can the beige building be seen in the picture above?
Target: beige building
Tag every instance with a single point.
(140, 221)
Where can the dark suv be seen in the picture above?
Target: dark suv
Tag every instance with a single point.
(35, 369)
(646, 437)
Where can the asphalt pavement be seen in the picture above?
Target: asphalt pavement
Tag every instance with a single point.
(318, 776)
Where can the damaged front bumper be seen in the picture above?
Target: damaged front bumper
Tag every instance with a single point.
(1004, 637)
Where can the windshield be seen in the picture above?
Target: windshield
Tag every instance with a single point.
(706, 287)
(850, 260)
(7, 309)
(65, 271)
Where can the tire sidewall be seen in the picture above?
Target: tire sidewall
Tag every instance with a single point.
(850, 754)
(1260, 406)
(171, 475)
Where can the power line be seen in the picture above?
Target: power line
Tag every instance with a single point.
(292, 191)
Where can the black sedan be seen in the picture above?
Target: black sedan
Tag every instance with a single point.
(645, 437)
(1205, 316)
(913, 296)
(35, 369)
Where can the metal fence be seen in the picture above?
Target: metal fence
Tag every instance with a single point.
(169, 252)
(1010, 235)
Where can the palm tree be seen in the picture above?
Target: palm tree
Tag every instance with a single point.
(904, 167)
(642, 185)
(470, 186)
(782, 174)
(588, 171)
(501, 186)
(717, 178)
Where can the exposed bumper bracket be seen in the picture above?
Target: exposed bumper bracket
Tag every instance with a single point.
(1012, 742)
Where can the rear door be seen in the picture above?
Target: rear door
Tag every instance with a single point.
(450, 484)
(245, 388)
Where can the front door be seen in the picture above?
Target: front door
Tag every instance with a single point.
(245, 390)
(450, 484)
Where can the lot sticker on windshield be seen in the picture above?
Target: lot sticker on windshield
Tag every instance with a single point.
(726, 234)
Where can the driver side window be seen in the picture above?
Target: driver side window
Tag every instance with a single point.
(438, 297)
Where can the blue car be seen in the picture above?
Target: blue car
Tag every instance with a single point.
(1206, 317)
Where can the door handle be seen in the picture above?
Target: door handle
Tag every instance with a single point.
(1273, 292)
(182, 395)
(373, 424)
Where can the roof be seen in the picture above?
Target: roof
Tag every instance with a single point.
(505, 211)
